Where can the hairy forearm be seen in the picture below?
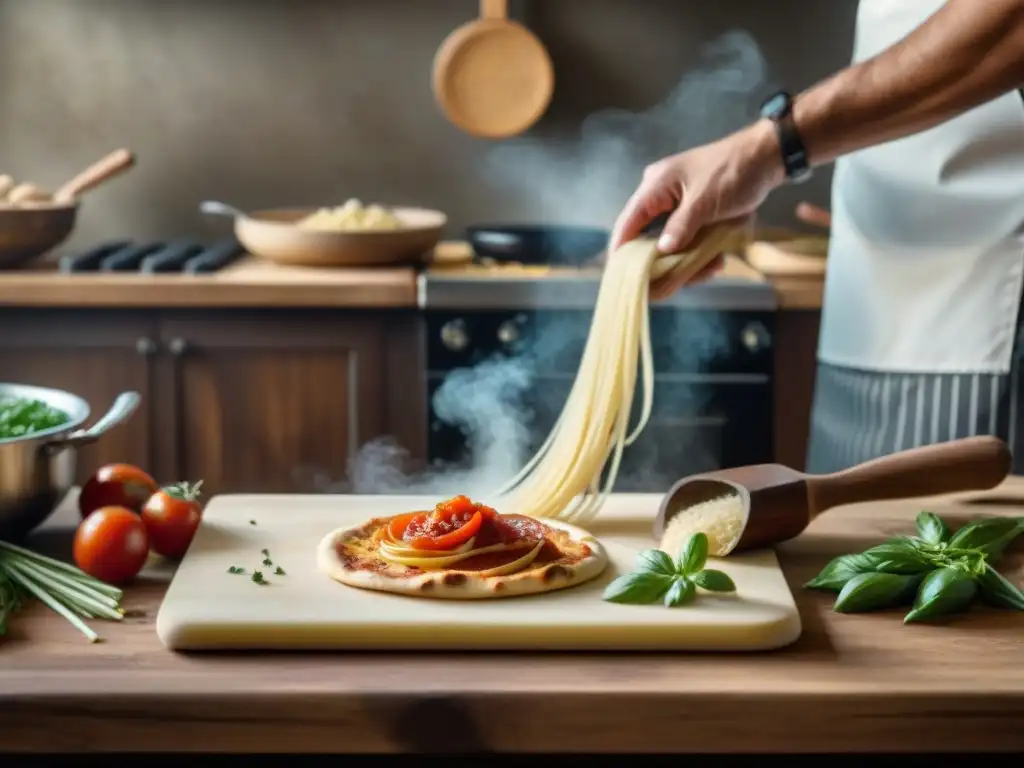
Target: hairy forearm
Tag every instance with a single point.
(967, 53)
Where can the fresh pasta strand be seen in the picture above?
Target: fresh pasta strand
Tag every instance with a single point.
(563, 478)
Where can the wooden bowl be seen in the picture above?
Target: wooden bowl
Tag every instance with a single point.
(273, 235)
(27, 232)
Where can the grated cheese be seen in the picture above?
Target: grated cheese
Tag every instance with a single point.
(721, 519)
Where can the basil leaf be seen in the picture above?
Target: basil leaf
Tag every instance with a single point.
(834, 576)
(932, 528)
(942, 592)
(998, 591)
(873, 591)
(655, 561)
(681, 591)
(694, 554)
(637, 588)
(900, 556)
(714, 581)
(991, 535)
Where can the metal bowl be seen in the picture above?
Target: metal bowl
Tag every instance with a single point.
(37, 470)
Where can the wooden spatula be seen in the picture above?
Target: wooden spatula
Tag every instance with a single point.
(778, 502)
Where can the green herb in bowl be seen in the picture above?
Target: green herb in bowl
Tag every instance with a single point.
(20, 417)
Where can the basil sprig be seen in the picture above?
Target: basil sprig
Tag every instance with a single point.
(937, 572)
(674, 582)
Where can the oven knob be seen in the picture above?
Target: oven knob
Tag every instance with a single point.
(754, 337)
(508, 332)
(454, 335)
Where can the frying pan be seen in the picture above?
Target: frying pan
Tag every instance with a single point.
(537, 244)
(492, 77)
(272, 234)
(27, 232)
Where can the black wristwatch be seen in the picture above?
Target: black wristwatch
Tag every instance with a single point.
(779, 109)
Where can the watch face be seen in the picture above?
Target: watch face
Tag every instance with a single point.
(775, 106)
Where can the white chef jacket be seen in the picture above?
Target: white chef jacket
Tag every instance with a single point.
(926, 258)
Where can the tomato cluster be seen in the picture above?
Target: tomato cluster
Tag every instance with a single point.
(125, 514)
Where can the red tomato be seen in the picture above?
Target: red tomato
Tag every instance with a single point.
(116, 485)
(171, 516)
(111, 544)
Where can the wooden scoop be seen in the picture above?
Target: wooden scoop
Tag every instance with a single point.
(778, 502)
(492, 77)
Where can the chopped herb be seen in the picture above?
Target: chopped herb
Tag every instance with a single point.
(252, 522)
(265, 552)
(257, 576)
(22, 416)
(267, 562)
(279, 571)
(236, 569)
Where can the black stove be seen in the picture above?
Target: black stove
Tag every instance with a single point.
(183, 256)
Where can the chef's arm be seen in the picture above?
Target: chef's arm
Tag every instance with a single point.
(967, 53)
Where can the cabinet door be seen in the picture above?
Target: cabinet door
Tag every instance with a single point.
(93, 354)
(275, 402)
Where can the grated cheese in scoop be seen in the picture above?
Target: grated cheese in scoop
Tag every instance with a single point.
(721, 519)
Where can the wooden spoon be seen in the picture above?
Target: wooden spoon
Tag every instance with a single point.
(492, 77)
(779, 502)
(102, 170)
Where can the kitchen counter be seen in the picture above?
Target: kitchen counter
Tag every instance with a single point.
(852, 683)
(250, 282)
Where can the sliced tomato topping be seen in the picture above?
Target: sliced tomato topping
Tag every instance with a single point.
(430, 536)
(398, 524)
(453, 522)
(455, 506)
(489, 513)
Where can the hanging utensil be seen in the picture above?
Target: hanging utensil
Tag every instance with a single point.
(493, 78)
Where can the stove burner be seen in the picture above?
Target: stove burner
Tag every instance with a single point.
(176, 256)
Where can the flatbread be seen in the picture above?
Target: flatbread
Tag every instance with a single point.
(348, 555)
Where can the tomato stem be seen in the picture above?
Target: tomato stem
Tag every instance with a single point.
(184, 490)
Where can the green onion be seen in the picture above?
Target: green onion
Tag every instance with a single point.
(65, 589)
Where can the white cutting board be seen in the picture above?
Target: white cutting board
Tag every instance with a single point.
(208, 608)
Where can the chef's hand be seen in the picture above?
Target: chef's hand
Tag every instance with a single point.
(718, 182)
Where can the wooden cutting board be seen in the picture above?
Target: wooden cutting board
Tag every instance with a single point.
(206, 607)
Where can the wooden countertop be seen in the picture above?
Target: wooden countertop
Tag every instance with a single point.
(248, 282)
(852, 683)
(251, 282)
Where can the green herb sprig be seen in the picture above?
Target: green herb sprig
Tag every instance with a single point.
(937, 572)
(658, 577)
(63, 588)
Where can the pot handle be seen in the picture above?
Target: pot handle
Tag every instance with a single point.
(123, 407)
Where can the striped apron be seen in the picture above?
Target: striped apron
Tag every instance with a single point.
(921, 337)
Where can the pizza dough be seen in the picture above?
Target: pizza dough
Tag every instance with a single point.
(571, 556)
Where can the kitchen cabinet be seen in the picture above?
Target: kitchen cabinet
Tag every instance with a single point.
(246, 400)
(272, 402)
(94, 355)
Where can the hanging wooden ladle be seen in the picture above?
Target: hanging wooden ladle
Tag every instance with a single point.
(492, 77)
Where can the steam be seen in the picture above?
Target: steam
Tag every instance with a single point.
(485, 403)
(588, 183)
(494, 403)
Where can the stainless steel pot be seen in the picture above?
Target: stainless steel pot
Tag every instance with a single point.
(37, 471)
